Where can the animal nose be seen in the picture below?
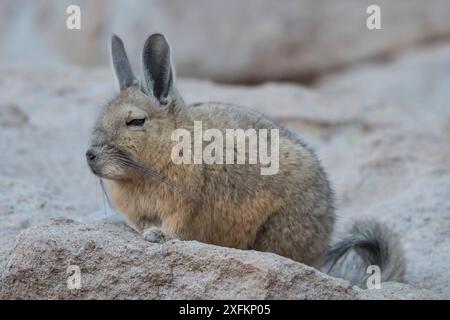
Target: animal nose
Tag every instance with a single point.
(91, 155)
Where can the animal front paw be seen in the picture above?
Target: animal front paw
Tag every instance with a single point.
(154, 235)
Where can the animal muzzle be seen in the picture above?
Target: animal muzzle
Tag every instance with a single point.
(92, 155)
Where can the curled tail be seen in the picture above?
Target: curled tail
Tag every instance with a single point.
(369, 243)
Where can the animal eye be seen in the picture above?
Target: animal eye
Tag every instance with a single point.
(136, 122)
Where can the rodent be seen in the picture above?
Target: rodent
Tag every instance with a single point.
(290, 213)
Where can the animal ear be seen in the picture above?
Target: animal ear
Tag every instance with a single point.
(157, 71)
(122, 67)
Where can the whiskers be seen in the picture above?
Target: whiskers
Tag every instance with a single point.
(108, 200)
(104, 195)
(123, 160)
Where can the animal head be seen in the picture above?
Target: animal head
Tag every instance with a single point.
(132, 134)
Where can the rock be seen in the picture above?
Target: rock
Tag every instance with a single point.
(417, 79)
(49, 151)
(12, 116)
(233, 41)
(116, 263)
(24, 204)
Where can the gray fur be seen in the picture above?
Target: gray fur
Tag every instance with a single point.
(368, 243)
(122, 67)
(157, 68)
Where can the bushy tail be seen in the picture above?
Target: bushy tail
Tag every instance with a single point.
(369, 243)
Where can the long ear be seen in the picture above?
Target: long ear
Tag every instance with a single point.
(122, 66)
(158, 78)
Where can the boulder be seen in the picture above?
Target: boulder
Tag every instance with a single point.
(117, 263)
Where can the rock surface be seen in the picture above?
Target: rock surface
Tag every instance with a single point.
(240, 41)
(116, 263)
(384, 144)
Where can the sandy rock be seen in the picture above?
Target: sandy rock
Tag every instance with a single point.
(24, 204)
(12, 116)
(228, 41)
(116, 263)
(50, 149)
(419, 79)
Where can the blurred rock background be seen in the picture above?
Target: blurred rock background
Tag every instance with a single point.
(373, 104)
(232, 41)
